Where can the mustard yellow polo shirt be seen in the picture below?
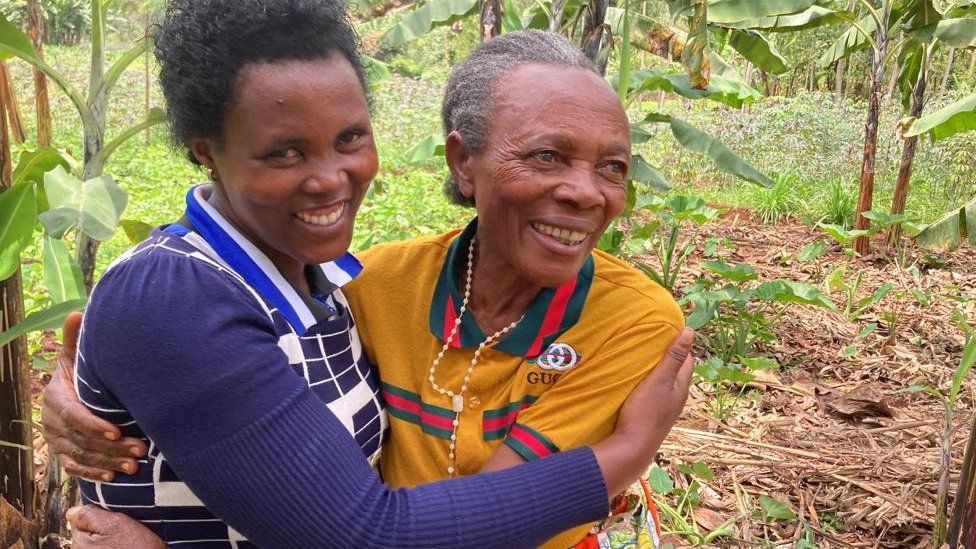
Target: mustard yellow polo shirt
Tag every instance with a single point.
(554, 382)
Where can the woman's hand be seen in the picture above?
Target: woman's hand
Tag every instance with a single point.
(95, 528)
(86, 445)
(647, 416)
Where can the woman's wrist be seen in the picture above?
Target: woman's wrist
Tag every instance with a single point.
(623, 459)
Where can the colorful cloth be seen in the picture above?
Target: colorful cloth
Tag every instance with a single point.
(633, 523)
(553, 383)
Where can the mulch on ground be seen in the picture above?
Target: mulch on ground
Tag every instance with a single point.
(836, 437)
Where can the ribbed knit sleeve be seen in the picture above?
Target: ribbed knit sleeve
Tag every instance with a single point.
(294, 479)
(190, 354)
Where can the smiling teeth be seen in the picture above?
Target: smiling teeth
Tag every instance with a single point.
(564, 236)
(321, 220)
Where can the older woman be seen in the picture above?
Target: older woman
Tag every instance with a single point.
(193, 339)
(513, 339)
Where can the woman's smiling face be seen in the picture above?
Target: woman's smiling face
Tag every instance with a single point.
(553, 172)
(295, 159)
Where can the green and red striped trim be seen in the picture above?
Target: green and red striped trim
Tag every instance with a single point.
(550, 314)
(495, 424)
(529, 443)
(407, 406)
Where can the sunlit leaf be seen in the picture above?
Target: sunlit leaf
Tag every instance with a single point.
(786, 291)
(759, 363)
(18, 210)
(814, 16)
(429, 147)
(93, 206)
(741, 272)
(951, 231)
(46, 319)
(954, 118)
(775, 509)
(698, 141)
(731, 11)
(135, 231)
(420, 21)
(754, 47)
(62, 275)
(644, 172)
(660, 481)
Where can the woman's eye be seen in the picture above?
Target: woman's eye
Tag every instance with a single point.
(618, 167)
(285, 154)
(545, 156)
(348, 138)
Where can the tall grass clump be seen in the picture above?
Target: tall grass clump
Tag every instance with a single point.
(839, 203)
(777, 202)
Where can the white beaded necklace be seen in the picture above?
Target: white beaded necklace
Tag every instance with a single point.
(457, 399)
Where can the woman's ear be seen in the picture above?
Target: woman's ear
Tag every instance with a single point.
(459, 161)
(203, 150)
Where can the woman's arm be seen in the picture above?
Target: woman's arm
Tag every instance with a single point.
(267, 456)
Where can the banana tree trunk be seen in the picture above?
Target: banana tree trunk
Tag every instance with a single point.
(147, 80)
(962, 526)
(35, 30)
(944, 84)
(94, 137)
(16, 444)
(839, 78)
(908, 151)
(491, 19)
(866, 195)
(15, 126)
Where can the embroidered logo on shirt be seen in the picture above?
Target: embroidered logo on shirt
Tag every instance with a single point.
(559, 357)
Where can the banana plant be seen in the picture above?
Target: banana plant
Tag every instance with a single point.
(926, 25)
(91, 108)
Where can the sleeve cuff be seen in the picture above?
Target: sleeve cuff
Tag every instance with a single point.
(529, 443)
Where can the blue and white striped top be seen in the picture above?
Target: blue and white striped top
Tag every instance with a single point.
(317, 336)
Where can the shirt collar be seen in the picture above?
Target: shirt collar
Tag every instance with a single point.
(254, 267)
(551, 313)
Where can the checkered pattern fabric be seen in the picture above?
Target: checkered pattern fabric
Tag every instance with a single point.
(328, 355)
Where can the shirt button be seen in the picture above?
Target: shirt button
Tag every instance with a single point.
(474, 403)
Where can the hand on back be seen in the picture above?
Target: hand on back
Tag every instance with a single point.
(87, 445)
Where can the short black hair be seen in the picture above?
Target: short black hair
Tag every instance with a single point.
(202, 45)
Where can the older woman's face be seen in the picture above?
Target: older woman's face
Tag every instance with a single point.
(296, 158)
(553, 173)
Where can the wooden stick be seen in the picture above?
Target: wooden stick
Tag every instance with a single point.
(702, 434)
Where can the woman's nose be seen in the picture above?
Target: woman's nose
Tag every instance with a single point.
(580, 188)
(326, 175)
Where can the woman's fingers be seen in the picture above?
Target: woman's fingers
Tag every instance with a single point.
(69, 343)
(94, 527)
(87, 445)
(678, 353)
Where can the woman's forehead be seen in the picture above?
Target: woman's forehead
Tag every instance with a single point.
(560, 103)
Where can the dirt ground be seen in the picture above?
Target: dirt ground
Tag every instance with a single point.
(857, 460)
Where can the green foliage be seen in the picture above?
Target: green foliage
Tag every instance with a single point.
(94, 207)
(42, 320)
(662, 235)
(62, 276)
(431, 14)
(18, 209)
(776, 203)
(774, 509)
(951, 231)
(950, 120)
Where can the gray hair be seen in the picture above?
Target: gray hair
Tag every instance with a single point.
(468, 97)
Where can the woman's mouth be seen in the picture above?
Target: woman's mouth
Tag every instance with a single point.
(567, 237)
(323, 218)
